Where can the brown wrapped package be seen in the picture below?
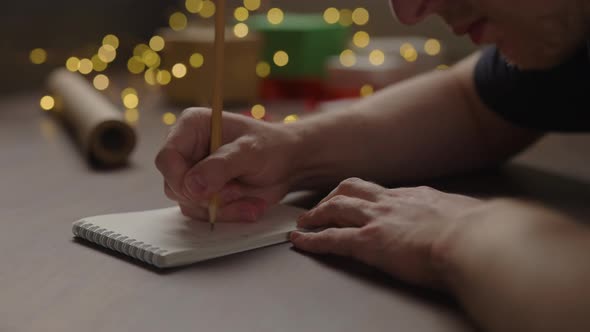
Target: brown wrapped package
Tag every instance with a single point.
(97, 125)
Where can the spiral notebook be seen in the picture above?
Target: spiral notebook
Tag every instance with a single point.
(166, 238)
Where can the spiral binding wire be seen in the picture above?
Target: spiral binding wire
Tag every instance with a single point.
(118, 242)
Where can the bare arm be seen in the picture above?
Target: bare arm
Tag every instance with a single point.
(428, 126)
(519, 267)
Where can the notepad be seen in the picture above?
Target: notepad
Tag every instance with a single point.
(165, 238)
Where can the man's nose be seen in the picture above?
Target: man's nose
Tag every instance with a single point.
(413, 11)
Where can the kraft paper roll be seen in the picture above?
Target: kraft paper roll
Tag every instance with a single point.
(97, 125)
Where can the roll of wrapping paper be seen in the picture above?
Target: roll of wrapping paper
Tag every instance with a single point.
(97, 125)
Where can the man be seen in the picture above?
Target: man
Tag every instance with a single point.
(514, 266)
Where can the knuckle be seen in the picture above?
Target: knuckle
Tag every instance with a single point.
(193, 112)
(161, 159)
(350, 183)
(371, 232)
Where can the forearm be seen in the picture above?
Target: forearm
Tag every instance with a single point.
(516, 267)
(421, 128)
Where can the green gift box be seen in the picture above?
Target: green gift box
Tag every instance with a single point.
(306, 38)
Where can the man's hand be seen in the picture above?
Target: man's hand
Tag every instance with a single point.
(250, 171)
(394, 230)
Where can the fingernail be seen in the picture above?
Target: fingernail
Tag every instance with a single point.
(196, 185)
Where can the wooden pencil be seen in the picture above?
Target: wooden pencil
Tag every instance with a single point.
(217, 99)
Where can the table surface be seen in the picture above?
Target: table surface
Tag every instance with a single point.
(49, 282)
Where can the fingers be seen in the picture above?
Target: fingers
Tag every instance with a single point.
(355, 187)
(336, 241)
(230, 162)
(342, 211)
(248, 209)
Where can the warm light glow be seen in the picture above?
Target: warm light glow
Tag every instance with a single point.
(241, 14)
(132, 115)
(128, 91)
(169, 118)
(281, 58)
(275, 16)
(331, 15)
(73, 64)
(193, 6)
(150, 76)
(361, 39)
(376, 57)
(111, 40)
(85, 66)
(432, 47)
(345, 17)
(38, 56)
(258, 111)
(179, 70)
(107, 53)
(140, 49)
(367, 90)
(360, 16)
(347, 58)
(135, 65)
(177, 21)
(208, 9)
(252, 4)
(163, 77)
(98, 64)
(47, 103)
(151, 59)
(131, 101)
(442, 67)
(101, 82)
(157, 43)
(241, 30)
(410, 54)
(196, 60)
(404, 48)
(291, 118)
(262, 69)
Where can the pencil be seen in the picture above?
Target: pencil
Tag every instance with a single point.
(217, 99)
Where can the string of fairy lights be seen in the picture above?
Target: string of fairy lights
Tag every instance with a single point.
(145, 59)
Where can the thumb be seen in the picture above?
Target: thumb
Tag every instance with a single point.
(211, 174)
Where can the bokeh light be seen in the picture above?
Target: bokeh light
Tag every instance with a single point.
(442, 67)
(376, 57)
(258, 111)
(179, 70)
(177, 21)
(97, 64)
(360, 16)
(47, 103)
(241, 30)
(331, 15)
(169, 118)
(281, 58)
(38, 56)
(107, 53)
(262, 69)
(111, 40)
(241, 14)
(291, 118)
(86, 66)
(208, 9)
(347, 58)
(157, 43)
(193, 6)
(361, 39)
(73, 64)
(101, 82)
(367, 90)
(130, 101)
(275, 16)
(252, 5)
(196, 60)
(163, 77)
(345, 17)
(135, 65)
(132, 115)
(432, 47)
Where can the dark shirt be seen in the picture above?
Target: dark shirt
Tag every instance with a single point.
(556, 99)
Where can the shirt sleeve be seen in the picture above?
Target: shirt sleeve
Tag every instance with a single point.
(557, 99)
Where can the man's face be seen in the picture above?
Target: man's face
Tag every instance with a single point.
(532, 34)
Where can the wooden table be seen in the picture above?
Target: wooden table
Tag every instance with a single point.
(49, 282)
